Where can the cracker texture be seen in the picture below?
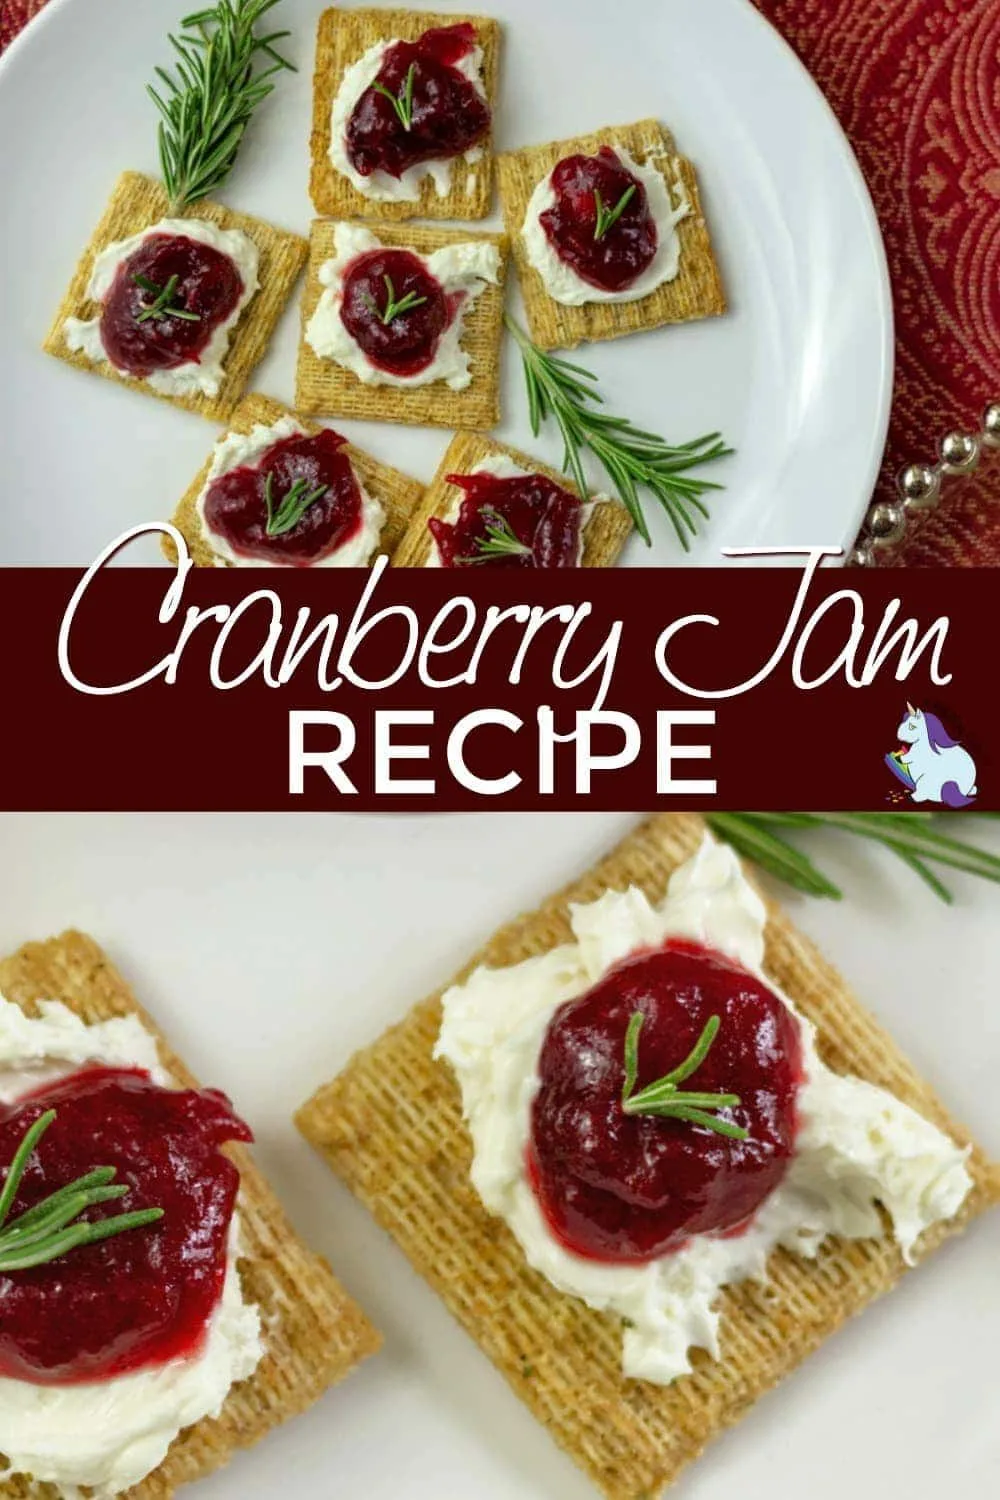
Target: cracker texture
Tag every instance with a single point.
(138, 202)
(604, 536)
(314, 1333)
(342, 38)
(400, 495)
(695, 292)
(324, 388)
(391, 1127)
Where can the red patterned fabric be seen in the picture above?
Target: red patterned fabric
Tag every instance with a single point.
(916, 86)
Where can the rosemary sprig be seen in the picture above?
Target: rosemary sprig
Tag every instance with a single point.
(163, 297)
(205, 110)
(285, 514)
(666, 1098)
(499, 541)
(608, 217)
(916, 839)
(630, 457)
(392, 309)
(53, 1227)
(401, 103)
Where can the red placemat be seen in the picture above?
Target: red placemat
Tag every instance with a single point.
(916, 86)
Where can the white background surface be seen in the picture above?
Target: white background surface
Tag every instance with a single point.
(797, 376)
(271, 947)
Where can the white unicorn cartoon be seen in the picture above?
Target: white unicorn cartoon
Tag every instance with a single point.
(935, 767)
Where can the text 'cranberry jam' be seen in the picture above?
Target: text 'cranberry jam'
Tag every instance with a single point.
(254, 509)
(166, 301)
(144, 1296)
(420, 107)
(395, 310)
(600, 223)
(620, 1187)
(524, 521)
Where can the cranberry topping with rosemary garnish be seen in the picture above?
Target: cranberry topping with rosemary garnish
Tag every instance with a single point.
(666, 1107)
(600, 223)
(525, 521)
(420, 107)
(298, 505)
(123, 1271)
(166, 301)
(395, 310)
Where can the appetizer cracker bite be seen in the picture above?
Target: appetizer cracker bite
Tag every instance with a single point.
(280, 492)
(403, 114)
(164, 1314)
(643, 1022)
(489, 504)
(402, 324)
(181, 306)
(608, 235)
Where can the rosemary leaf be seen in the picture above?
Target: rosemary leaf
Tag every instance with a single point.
(206, 103)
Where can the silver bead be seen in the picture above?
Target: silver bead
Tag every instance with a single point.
(886, 522)
(991, 425)
(959, 453)
(860, 556)
(919, 485)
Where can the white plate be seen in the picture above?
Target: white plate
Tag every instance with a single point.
(272, 947)
(798, 376)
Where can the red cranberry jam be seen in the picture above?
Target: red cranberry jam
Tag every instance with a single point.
(526, 521)
(620, 1187)
(166, 301)
(243, 504)
(395, 310)
(146, 1295)
(588, 191)
(420, 107)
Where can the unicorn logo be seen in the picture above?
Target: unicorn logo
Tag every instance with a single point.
(933, 767)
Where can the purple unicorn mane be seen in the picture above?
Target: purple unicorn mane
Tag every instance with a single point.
(938, 736)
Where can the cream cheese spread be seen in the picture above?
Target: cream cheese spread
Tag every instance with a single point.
(238, 450)
(858, 1146)
(379, 185)
(204, 374)
(108, 1435)
(464, 268)
(667, 205)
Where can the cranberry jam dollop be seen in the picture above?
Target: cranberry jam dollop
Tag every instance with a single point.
(447, 114)
(539, 516)
(627, 1188)
(402, 342)
(235, 506)
(207, 290)
(144, 1296)
(615, 261)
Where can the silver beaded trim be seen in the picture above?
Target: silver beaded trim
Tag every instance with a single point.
(918, 488)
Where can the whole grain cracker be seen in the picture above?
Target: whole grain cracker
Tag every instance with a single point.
(325, 388)
(314, 1333)
(604, 536)
(695, 292)
(342, 38)
(398, 493)
(391, 1126)
(139, 202)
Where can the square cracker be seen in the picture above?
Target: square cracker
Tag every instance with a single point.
(326, 389)
(342, 38)
(139, 202)
(695, 292)
(391, 1126)
(605, 534)
(400, 495)
(314, 1333)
